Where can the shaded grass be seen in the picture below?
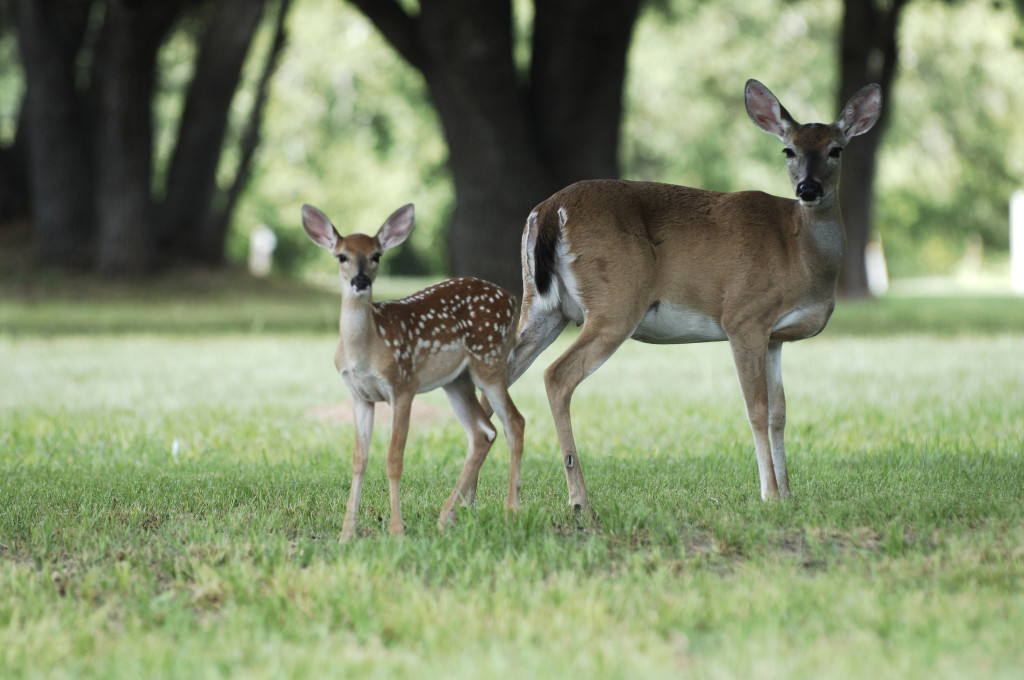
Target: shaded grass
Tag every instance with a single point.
(177, 302)
(946, 315)
(188, 302)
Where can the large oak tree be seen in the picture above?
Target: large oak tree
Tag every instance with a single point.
(514, 137)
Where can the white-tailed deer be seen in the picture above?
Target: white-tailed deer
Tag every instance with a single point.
(669, 264)
(454, 335)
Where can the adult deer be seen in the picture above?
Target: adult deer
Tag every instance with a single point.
(669, 264)
(456, 335)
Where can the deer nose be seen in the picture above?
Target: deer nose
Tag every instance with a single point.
(361, 281)
(809, 190)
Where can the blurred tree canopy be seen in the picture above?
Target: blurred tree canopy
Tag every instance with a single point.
(476, 111)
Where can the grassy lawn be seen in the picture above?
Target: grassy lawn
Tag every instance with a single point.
(174, 464)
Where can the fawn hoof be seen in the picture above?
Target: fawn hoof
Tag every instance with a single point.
(446, 519)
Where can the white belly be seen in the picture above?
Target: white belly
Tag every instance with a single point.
(668, 323)
(803, 321)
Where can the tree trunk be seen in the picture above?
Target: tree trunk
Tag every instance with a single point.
(868, 54)
(577, 77)
(186, 221)
(220, 217)
(59, 162)
(126, 61)
(494, 158)
(14, 198)
(511, 145)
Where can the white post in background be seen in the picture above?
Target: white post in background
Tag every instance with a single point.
(262, 242)
(1017, 241)
(878, 272)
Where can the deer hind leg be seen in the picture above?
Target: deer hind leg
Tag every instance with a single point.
(512, 421)
(597, 341)
(751, 359)
(401, 406)
(540, 323)
(462, 396)
(360, 456)
(777, 416)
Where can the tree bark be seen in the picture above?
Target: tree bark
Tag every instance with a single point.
(125, 69)
(187, 224)
(577, 76)
(59, 156)
(511, 145)
(14, 198)
(868, 54)
(220, 217)
(498, 174)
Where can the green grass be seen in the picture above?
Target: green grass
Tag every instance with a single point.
(170, 502)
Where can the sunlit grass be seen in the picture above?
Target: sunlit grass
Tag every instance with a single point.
(170, 503)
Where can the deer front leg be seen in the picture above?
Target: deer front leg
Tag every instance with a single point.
(750, 360)
(360, 455)
(401, 406)
(777, 416)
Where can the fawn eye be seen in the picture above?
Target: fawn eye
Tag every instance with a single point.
(835, 152)
(342, 257)
(376, 257)
(789, 153)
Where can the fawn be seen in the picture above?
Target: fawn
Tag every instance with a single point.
(456, 335)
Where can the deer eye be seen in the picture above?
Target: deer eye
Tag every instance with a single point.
(836, 152)
(342, 257)
(376, 257)
(789, 153)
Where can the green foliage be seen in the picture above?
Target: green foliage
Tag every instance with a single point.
(951, 157)
(954, 153)
(685, 121)
(12, 83)
(349, 129)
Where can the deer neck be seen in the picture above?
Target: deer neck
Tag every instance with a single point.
(824, 234)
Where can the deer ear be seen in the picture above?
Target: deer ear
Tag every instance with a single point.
(862, 111)
(764, 109)
(397, 227)
(319, 228)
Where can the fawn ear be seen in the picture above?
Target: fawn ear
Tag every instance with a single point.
(397, 227)
(861, 112)
(764, 109)
(319, 228)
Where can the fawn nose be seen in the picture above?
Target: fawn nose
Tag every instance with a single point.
(361, 281)
(809, 190)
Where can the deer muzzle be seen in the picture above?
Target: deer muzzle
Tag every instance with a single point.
(361, 282)
(809, 190)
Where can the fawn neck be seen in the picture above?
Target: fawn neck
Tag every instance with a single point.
(358, 328)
